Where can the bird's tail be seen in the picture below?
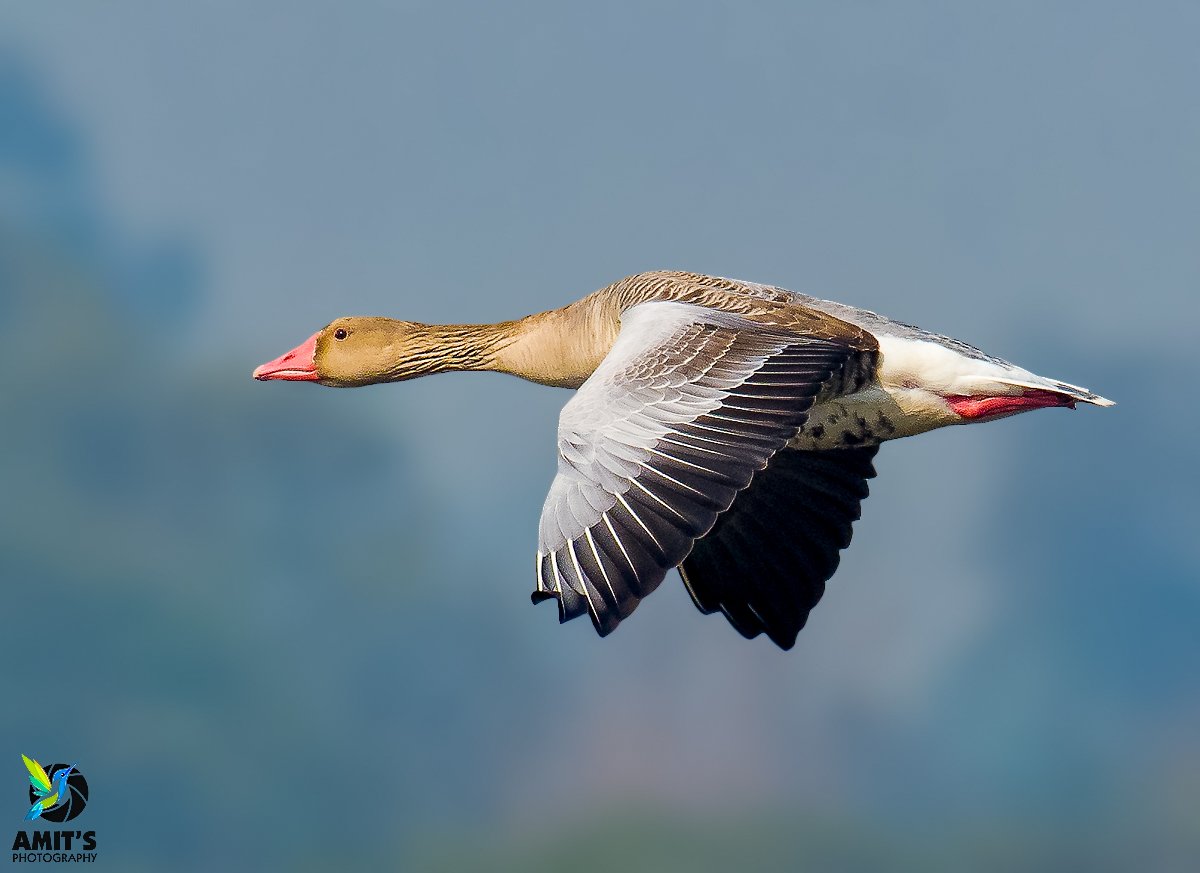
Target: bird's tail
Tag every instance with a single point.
(1074, 392)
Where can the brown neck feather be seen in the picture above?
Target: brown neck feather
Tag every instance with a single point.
(560, 347)
(443, 348)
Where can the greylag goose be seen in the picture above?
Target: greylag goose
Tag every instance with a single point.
(722, 427)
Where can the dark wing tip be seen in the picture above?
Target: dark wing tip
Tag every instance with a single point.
(785, 638)
(571, 605)
(589, 582)
(565, 613)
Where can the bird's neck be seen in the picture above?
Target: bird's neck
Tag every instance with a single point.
(561, 347)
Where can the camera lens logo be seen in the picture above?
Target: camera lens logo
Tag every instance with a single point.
(58, 792)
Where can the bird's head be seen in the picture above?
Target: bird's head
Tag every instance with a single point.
(355, 351)
(63, 773)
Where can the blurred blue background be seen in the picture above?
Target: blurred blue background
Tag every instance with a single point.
(247, 610)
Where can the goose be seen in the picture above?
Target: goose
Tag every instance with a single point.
(720, 426)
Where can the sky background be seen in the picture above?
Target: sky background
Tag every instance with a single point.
(247, 611)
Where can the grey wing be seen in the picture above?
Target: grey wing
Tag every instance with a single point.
(687, 406)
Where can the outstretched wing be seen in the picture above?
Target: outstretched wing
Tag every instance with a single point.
(765, 562)
(37, 775)
(687, 406)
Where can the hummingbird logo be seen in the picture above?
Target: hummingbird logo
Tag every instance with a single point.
(51, 792)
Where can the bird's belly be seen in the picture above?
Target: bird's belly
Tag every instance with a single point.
(865, 418)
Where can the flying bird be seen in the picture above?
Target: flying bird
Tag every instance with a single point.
(50, 790)
(723, 427)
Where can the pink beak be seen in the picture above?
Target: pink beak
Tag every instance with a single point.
(998, 407)
(298, 365)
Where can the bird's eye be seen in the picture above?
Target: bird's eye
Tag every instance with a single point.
(340, 333)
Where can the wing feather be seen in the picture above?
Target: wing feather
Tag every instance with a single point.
(766, 561)
(687, 407)
(37, 775)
